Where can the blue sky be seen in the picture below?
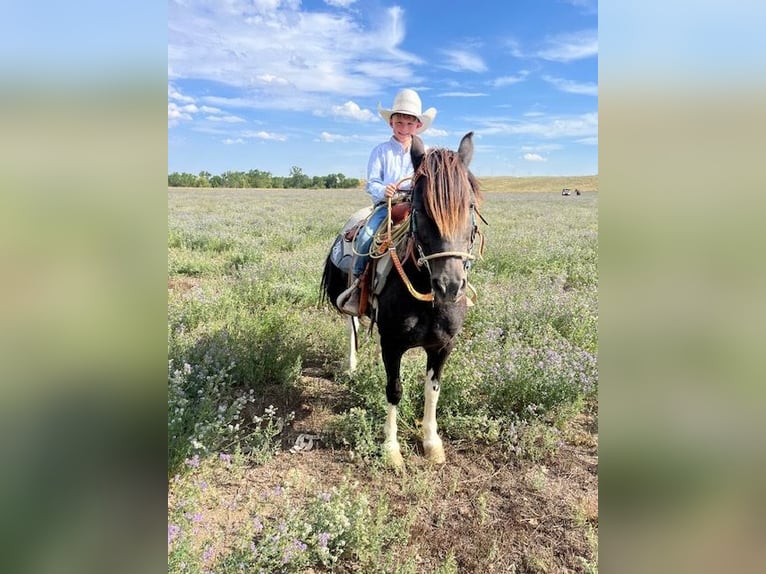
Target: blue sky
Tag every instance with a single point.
(271, 84)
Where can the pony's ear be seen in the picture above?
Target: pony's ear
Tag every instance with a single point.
(465, 151)
(417, 152)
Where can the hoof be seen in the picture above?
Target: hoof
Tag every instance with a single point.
(393, 456)
(434, 452)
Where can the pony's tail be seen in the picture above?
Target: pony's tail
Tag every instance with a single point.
(324, 286)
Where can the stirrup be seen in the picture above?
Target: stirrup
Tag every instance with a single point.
(347, 295)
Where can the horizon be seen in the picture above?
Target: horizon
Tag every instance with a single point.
(269, 85)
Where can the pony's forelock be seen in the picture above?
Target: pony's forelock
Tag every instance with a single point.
(448, 191)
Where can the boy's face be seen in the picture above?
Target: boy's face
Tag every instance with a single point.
(404, 127)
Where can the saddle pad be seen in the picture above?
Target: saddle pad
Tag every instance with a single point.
(342, 253)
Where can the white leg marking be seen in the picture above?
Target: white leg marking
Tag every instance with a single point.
(432, 444)
(391, 444)
(353, 333)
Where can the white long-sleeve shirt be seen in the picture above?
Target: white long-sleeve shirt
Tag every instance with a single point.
(388, 163)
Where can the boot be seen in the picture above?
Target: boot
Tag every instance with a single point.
(348, 301)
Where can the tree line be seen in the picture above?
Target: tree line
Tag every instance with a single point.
(264, 179)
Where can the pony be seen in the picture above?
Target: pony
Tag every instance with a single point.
(423, 304)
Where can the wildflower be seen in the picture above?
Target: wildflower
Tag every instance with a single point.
(225, 458)
(207, 554)
(257, 524)
(193, 461)
(173, 532)
(325, 496)
(187, 369)
(324, 538)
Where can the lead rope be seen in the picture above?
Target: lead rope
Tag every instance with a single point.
(391, 244)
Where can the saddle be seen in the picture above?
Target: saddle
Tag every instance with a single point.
(342, 254)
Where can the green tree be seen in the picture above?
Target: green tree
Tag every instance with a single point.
(258, 178)
(297, 179)
(203, 179)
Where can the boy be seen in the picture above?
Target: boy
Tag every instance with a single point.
(389, 163)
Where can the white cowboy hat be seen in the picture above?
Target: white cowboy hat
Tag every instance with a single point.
(408, 102)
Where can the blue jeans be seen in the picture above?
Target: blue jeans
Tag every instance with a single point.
(365, 235)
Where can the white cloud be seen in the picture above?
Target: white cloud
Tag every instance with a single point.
(175, 94)
(435, 133)
(351, 110)
(333, 138)
(509, 80)
(572, 46)
(263, 135)
(581, 126)
(462, 94)
(587, 6)
(533, 157)
(541, 147)
(279, 49)
(229, 141)
(339, 3)
(178, 113)
(272, 80)
(226, 119)
(572, 87)
(459, 60)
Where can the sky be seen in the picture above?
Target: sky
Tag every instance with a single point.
(277, 84)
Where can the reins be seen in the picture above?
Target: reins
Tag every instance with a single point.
(395, 258)
(393, 237)
(391, 243)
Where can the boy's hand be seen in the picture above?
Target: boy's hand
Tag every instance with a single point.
(390, 190)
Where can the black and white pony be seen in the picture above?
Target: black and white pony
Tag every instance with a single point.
(423, 303)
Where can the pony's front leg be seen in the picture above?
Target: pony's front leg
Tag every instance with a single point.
(392, 361)
(432, 444)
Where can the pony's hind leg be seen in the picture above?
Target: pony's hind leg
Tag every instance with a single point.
(352, 325)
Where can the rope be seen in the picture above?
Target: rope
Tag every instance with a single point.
(385, 237)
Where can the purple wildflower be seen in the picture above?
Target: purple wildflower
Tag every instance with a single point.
(225, 458)
(324, 538)
(297, 547)
(193, 461)
(173, 532)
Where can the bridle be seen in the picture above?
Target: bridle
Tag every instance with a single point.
(423, 259)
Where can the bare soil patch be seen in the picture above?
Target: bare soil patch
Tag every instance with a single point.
(493, 511)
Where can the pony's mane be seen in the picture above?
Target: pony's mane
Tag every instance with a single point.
(448, 190)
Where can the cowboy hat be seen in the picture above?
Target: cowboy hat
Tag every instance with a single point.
(408, 102)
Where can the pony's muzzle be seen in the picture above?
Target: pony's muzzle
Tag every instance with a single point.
(449, 287)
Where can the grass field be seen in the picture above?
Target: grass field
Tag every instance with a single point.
(539, 184)
(254, 363)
